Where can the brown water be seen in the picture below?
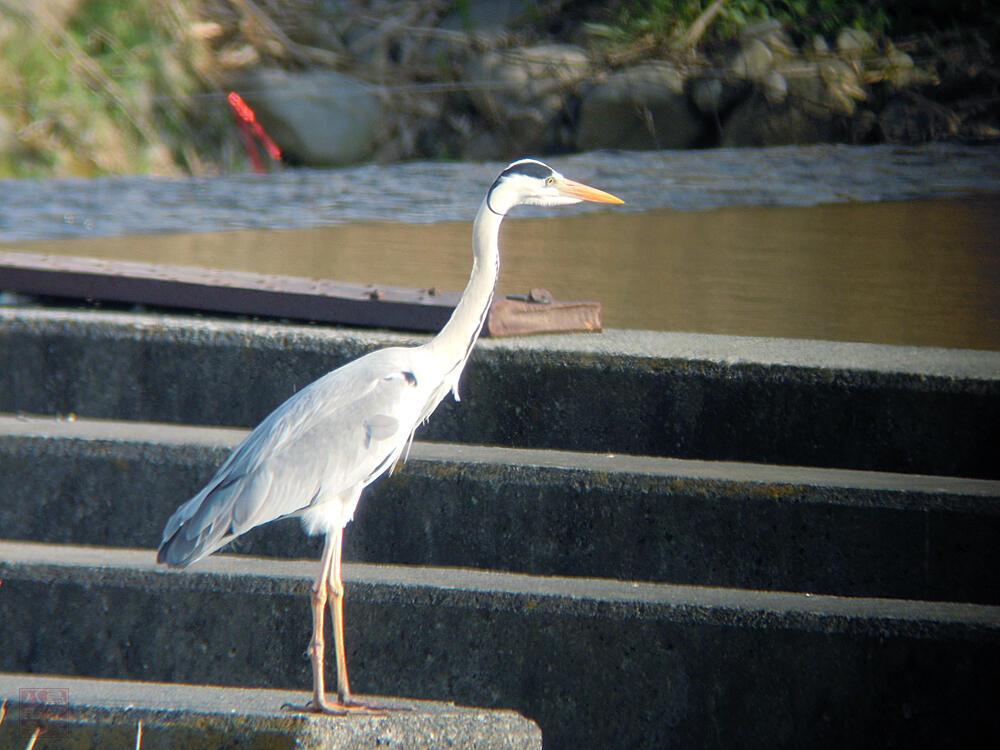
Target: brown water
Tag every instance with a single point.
(921, 272)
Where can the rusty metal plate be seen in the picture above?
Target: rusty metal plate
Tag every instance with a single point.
(538, 312)
(516, 318)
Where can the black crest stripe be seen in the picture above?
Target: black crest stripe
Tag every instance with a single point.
(529, 169)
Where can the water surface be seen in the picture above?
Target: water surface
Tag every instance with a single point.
(422, 192)
(886, 245)
(903, 272)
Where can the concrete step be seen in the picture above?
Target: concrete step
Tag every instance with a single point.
(75, 712)
(540, 512)
(596, 663)
(810, 403)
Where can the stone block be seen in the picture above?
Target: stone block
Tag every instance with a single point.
(596, 663)
(540, 512)
(776, 401)
(80, 713)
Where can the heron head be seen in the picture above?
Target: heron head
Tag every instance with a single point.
(531, 182)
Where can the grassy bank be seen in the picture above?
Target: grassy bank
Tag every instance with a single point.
(90, 87)
(671, 19)
(107, 87)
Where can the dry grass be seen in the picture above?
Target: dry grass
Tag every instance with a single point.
(111, 88)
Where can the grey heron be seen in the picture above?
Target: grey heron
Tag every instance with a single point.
(314, 455)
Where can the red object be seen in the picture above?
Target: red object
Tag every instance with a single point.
(246, 120)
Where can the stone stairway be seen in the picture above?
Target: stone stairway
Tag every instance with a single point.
(670, 541)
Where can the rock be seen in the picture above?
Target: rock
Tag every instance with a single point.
(752, 62)
(820, 89)
(842, 86)
(818, 47)
(901, 72)
(713, 96)
(639, 108)
(773, 34)
(706, 94)
(523, 91)
(317, 117)
(775, 87)
(980, 131)
(755, 122)
(781, 45)
(854, 43)
(898, 58)
(864, 127)
(897, 69)
(904, 120)
(802, 102)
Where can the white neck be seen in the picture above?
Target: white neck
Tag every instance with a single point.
(452, 346)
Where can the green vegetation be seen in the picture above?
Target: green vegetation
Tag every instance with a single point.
(108, 90)
(91, 87)
(664, 20)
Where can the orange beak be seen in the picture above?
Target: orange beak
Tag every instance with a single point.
(587, 193)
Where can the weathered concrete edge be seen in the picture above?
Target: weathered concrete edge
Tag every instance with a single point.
(226, 373)
(620, 344)
(80, 701)
(558, 513)
(921, 491)
(96, 566)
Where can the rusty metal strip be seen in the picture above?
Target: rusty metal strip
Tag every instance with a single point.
(226, 291)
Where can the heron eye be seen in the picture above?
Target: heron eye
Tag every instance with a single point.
(549, 180)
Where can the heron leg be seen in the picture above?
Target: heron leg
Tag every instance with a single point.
(316, 644)
(329, 587)
(331, 549)
(335, 589)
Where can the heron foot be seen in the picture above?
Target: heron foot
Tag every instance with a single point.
(313, 708)
(342, 708)
(374, 708)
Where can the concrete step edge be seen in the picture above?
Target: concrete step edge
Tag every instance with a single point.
(541, 512)
(596, 663)
(921, 487)
(197, 716)
(624, 345)
(133, 568)
(763, 400)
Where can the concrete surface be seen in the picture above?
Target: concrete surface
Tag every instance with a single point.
(80, 713)
(540, 512)
(858, 406)
(596, 663)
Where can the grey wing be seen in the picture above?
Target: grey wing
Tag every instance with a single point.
(333, 437)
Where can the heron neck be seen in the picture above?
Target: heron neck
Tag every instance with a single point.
(455, 341)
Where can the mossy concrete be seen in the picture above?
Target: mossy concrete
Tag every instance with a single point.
(540, 512)
(596, 663)
(80, 713)
(859, 406)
